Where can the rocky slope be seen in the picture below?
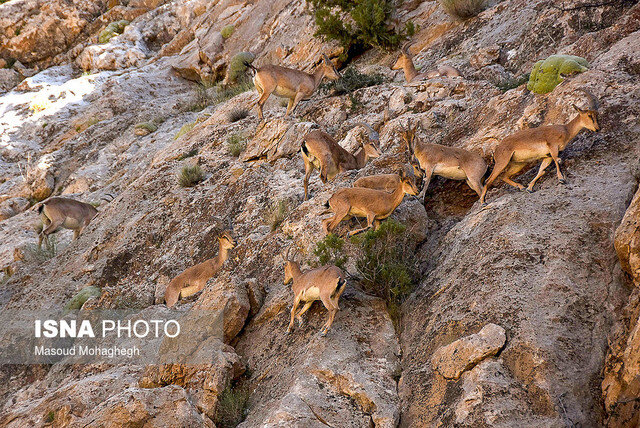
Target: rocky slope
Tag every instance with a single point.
(526, 313)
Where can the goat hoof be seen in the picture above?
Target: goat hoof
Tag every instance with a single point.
(562, 181)
(323, 333)
(528, 190)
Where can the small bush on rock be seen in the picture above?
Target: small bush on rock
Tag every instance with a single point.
(277, 212)
(237, 114)
(330, 251)
(386, 263)
(225, 93)
(463, 9)
(236, 144)
(34, 254)
(113, 29)
(190, 175)
(237, 67)
(231, 407)
(358, 25)
(81, 298)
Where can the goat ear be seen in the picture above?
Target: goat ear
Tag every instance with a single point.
(578, 109)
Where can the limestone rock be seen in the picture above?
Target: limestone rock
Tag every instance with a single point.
(13, 206)
(485, 56)
(457, 357)
(9, 78)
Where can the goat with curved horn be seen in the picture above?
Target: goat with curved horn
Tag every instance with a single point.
(320, 151)
(289, 83)
(544, 142)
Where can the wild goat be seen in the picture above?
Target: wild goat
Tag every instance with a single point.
(320, 151)
(326, 283)
(288, 83)
(545, 142)
(194, 279)
(373, 204)
(386, 182)
(59, 212)
(448, 162)
(405, 63)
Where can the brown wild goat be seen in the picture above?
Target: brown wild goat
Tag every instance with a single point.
(386, 182)
(59, 212)
(320, 151)
(448, 162)
(544, 142)
(194, 279)
(288, 83)
(405, 63)
(373, 204)
(326, 283)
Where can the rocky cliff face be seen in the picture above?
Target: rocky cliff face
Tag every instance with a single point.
(526, 313)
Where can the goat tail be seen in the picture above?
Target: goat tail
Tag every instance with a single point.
(40, 208)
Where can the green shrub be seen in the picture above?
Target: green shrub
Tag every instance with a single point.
(330, 251)
(237, 114)
(351, 80)
(81, 298)
(548, 73)
(277, 212)
(237, 68)
(227, 31)
(190, 175)
(185, 128)
(386, 263)
(232, 403)
(236, 144)
(463, 9)
(358, 25)
(50, 417)
(113, 29)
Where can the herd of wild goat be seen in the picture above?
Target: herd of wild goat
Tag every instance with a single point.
(374, 197)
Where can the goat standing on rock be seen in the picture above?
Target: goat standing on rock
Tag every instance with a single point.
(288, 83)
(326, 283)
(320, 151)
(373, 204)
(544, 142)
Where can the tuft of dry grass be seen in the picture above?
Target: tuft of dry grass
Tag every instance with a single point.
(237, 114)
(463, 9)
(190, 175)
(236, 144)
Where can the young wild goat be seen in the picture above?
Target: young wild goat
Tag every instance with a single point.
(59, 212)
(448, 162)
(326, 283)
(320, 151)
(373, 204)
(386, 182)
(194, 279)
(288, 83)
(405, 63)
(545, 142)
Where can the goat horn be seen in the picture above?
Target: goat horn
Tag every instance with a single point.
(405, 47)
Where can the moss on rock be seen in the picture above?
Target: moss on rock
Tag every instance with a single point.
(81, 297)
(113, 29)
(548, 73)
(227, 31)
